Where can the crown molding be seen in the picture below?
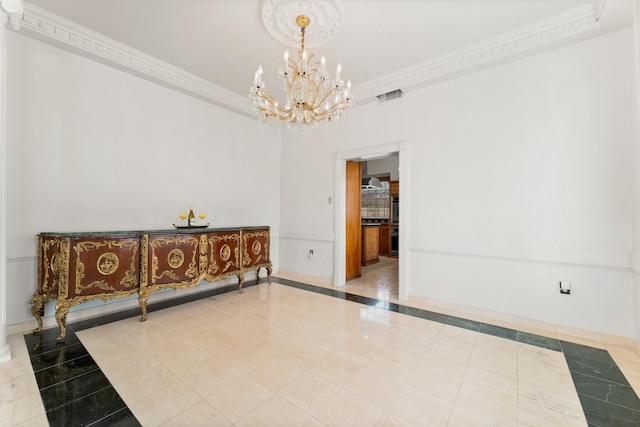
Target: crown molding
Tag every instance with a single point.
(509, 45)
(93, 44)
(525, 40)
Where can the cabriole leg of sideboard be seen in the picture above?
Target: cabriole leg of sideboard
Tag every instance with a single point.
(143, 296)
(269, 269)
(37, 308)
(240, 283)
(62, 309)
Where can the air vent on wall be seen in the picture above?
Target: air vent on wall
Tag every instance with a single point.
(391, 95)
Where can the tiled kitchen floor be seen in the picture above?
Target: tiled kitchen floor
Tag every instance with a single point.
(290, 354)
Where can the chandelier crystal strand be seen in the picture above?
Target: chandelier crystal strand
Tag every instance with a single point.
(312, 99)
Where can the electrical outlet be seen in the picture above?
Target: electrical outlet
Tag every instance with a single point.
(565, 287)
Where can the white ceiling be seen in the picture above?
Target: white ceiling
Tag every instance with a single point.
(383, 45)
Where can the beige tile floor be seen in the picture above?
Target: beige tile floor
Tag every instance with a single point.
(281, 356)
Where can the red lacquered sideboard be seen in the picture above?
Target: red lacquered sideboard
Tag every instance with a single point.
(74, 268)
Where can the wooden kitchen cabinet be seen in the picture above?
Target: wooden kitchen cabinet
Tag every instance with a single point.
(370, 243)
(394, 188)
(384, 247)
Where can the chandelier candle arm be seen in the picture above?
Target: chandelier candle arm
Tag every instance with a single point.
(312, 99)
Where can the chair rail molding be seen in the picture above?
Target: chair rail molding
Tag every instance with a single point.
(318, 236)
(598, 260)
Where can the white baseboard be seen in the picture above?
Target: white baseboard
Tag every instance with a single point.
(305, 278)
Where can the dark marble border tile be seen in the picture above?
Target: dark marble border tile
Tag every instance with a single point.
(586, 352)
(65, 371)
(91, 409)
(499, 331)
(45, 341)
(409, 311)
(607, 391)
(606, 371)
(604, 414)
(472, 325)
(432, 315)
(62, 392)
(61, 354)
(122, 418)
(539, 341)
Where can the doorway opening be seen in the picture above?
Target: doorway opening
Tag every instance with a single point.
(379, 225)
(376, 225)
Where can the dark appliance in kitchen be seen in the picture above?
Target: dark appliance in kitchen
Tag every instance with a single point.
(394, 227)
(394, 239)
(395, 210)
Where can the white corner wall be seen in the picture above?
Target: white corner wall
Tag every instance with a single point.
(520, 176)
(635, 263)
(90, 148)
(388, 165)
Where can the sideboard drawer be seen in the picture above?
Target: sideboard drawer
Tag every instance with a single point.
(173, 259)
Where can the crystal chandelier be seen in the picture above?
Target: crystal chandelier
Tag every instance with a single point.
(312, 99)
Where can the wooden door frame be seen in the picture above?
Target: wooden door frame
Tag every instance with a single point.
(340, 212)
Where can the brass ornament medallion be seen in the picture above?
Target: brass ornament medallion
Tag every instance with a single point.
(108, 263)
(175, 258)
(225, 253)
(256, 247)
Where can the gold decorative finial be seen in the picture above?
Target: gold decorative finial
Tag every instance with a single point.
(303, 21)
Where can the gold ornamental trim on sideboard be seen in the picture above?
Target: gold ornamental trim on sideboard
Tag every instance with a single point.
(55, 264)
(159, 242)
(144, 258)
(255, 248)
(175, 258)
(107, 264)
(65, 245)
(202, 267)
(45, 264)
(225, 253)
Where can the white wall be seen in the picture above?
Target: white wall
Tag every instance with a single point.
(636, 162)
(388, 165)
(90, 148)
(521, 176)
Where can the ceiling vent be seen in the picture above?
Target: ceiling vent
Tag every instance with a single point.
(394, 94)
